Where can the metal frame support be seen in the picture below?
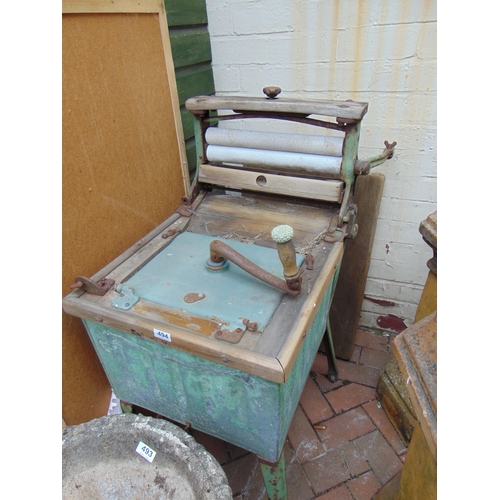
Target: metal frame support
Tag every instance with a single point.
(274, 477)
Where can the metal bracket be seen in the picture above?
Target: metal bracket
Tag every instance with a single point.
(349, 228)
(127, 298)
(188, 207)
(100, 287)
(236, 330)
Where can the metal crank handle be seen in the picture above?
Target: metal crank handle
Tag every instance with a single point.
(363, 167)
(219, 252)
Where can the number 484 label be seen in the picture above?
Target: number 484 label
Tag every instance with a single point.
(145, 451)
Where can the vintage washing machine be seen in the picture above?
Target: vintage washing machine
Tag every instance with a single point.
(215, 317)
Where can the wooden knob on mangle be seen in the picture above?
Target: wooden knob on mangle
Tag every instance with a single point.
(272, 91)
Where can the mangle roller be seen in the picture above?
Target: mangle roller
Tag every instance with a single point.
(215, 317)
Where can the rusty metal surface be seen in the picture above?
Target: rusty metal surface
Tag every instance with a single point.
(219, 251)
(274, 477)
(252, 326)
(171, 232)
(233, 337)
(188, 207)
(348, 229)
(377, 160)
(100, 287)
(193, 297)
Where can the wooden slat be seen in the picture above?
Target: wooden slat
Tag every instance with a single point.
(194, 80)
(190, 46)
(182, 13)
(190, 43)
(111, 6)
(252, 218)
(187, 123)
(349, 293)
(344, 109)
(139, 321)
(285, 185)
(191, 155)
(174, 96)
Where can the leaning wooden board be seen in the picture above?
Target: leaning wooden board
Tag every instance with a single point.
(349, 293)
(122, 152)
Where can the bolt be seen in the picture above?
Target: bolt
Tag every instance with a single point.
(251, 325)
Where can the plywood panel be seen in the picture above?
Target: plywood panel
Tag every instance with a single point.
(122, 165)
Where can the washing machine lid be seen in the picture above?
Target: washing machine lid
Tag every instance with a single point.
(178, 278)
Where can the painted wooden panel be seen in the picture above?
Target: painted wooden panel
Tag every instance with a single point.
(190, 46)
(194, 80)
(192, 55)
(182, 13)
(187, 123)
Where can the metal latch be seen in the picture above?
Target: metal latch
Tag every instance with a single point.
(100, 287)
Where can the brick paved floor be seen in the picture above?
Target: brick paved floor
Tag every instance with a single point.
(340, 446)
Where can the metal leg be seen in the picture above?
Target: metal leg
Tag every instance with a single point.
(330, 349)
(274, 477)
(330, 353)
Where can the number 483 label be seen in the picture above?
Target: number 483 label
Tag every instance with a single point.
(145, 451)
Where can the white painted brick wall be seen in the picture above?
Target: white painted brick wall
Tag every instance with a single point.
(379, 51)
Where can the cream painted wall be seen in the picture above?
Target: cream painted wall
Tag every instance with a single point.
(382, 52)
